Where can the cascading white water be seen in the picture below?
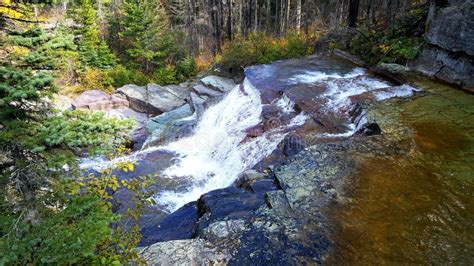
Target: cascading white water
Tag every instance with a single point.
(219, 149)
(214, 155)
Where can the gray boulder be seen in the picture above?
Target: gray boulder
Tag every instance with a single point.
(138, 135)
(153, 98)
(98, 100)
(441, 64)
(183, 252)
(450, 50)
(219, 83)
(205, 91)
(170, 125)
(452, 27)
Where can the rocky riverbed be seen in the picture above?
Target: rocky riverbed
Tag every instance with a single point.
(306, 161)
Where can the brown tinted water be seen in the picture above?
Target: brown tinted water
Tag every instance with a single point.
(417, 208)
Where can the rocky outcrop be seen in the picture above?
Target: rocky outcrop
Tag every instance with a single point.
(218, 83)
(97, 100)
(449, 55)
(183, 252)
(138, 135)
(170, 125)
(153, 98)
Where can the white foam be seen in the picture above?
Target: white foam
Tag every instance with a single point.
(285, 104)
(400, 91)
(316, 76)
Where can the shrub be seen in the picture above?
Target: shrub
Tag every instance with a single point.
(119, 76)
(260, 48)
(398, 44)
(166, 75)
(18, 87)
(79, 130)
(186, 68)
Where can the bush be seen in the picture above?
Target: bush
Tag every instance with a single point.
(18, 87)
(79, 130)
(261, 48)
(186, 68)
(119, 76)
(165, 75)
(398, 44)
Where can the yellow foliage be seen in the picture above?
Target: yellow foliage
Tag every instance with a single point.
(17, 51)
(8, 11)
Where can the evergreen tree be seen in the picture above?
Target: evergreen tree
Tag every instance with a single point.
(94, 51)
(145, 34)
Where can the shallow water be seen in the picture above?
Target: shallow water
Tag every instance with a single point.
(417, 208)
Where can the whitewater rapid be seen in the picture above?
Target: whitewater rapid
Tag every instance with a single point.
(218, 150)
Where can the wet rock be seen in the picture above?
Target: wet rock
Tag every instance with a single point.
(98, 100)
(161, 121)
(205, 91)
(170, 126)
(369, 129)
(185, 218)
(248, 178)
(255, 131)
(184, 252)
(223, 229)
(219, 83)
(153, 98)
(198, 103)
(291, 145)
(228, 203)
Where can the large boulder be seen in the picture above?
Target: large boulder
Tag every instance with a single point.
(183, 252)
(449, 55)
(451, 27)
(205, 91)
(444, 65)
(138, 135)
(153, 98)
(170, 125)
(219, 83)
(98, 100)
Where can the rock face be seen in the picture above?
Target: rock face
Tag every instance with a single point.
(153, 98)
(219, 83)
(97, 100)
(450, 53)
(138, 135)
(183, 252)
(170, 125)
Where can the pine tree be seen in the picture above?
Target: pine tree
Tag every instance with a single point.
(94, 51)
(145, 34)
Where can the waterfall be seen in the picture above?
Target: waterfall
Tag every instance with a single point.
(215, 154)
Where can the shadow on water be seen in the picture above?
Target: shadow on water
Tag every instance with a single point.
(417, 208)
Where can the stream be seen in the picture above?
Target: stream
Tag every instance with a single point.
(409, 207)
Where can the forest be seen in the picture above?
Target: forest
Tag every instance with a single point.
(60, 57)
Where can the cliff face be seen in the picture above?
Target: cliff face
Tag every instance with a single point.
(449, 55)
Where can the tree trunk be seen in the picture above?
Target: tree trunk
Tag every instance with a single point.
(298, 16)
(353, 13)
(229, 19)
(255, 15)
